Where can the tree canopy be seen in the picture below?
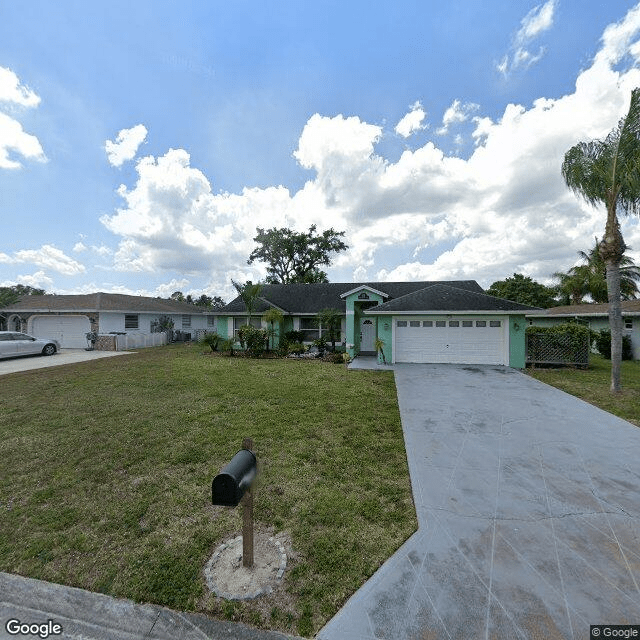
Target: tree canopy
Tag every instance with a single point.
(590, 278)
(293, 256)
(523, 289)
(215, 302)
(11, 295)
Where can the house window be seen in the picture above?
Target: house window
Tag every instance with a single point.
(310, 328)
(186, 322)
(481, 323)
(454, 323)
(401, 323)
(628, 323)
(131, 321)
(414, 323)
(238, 322)
(427, 323)
(211, 321)
(441, 323)
(495, 323)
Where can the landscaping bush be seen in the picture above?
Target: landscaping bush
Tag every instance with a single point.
(293, 336)
(253, 339)
(210, 340)
(335, 357)
(603, 345)
(562, 343)
(321, 344)
(226, 345)
(295, 348)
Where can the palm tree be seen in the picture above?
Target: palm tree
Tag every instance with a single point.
(330, 320)
(606, 172)
(249, 293)
(596, 269)
(272, 316)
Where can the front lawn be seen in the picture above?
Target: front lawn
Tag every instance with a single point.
(106, 469)
(593, 385)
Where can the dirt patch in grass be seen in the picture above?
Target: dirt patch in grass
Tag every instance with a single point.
(106, 469)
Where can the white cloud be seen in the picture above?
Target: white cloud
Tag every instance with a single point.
(48, 257)
(533, 25)
(455, 114)
(78, 247)
(126, 145)
(412, 121)
(13, 139)
(13, 92)
(38, 280)
(503, 209)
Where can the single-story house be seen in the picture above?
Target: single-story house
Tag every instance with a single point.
(68, 318)
(595, 316)
(445, 321)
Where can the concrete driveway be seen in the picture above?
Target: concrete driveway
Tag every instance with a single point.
(64, 356)
(528, 503)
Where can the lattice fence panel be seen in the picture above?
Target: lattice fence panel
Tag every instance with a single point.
(556, 349)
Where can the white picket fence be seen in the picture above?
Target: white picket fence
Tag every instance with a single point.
(140, 340)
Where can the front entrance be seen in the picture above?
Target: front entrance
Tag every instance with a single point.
(367, 335)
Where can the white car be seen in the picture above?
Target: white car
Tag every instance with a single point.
(13, 344)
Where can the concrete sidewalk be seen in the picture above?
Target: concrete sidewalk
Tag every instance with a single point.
(528, 504)
(83, 615)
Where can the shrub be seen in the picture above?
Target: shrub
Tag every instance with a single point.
(226, 345)
(603, 345)
(335, 357)
(210, 340)
(321, 343)
(255, 340)
(296, 348)
(293, 336)
(568, 342)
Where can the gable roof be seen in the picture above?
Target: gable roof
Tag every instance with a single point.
(628, 307)
(312, 298)
(95, 302)
(446, 297)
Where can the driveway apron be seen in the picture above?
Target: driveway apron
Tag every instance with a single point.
(528, 504)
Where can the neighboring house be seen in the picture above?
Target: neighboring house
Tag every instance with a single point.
(595, 316)
(448, 322)
(68, 318)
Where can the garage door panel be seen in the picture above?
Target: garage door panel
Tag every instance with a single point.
(471, 344)
(69, 331)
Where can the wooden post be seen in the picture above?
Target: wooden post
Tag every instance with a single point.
(247, 518)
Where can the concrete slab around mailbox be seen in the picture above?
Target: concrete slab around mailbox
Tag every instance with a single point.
(528, 503)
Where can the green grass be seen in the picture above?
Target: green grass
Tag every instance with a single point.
(593, 385)
(106, 469)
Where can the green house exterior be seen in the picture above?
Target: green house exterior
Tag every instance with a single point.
(444, 322)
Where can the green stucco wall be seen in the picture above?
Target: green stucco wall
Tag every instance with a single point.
(517, 346)
(354, 317)
(384, 327)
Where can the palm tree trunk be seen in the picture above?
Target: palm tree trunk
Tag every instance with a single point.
(612, 249)
(615, 322)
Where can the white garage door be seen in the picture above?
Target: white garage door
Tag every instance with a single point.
(463, 340)
(69, 331)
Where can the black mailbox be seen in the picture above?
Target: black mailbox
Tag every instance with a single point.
(231, 483)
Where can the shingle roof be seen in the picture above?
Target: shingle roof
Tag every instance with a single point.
(446, 297)
(312, 298)
(628, 306)
(94, 302)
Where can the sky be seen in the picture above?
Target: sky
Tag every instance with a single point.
(143, 143)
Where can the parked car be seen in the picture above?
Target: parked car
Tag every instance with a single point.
(13, 344)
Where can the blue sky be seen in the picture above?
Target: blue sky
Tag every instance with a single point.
(141, 144)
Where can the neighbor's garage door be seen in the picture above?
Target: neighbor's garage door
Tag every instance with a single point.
(69, 331)
(463, 340)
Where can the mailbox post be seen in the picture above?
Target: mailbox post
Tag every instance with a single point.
(233, 485)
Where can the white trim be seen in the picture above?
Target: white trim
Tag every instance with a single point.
(372, 311)
(368, 288)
